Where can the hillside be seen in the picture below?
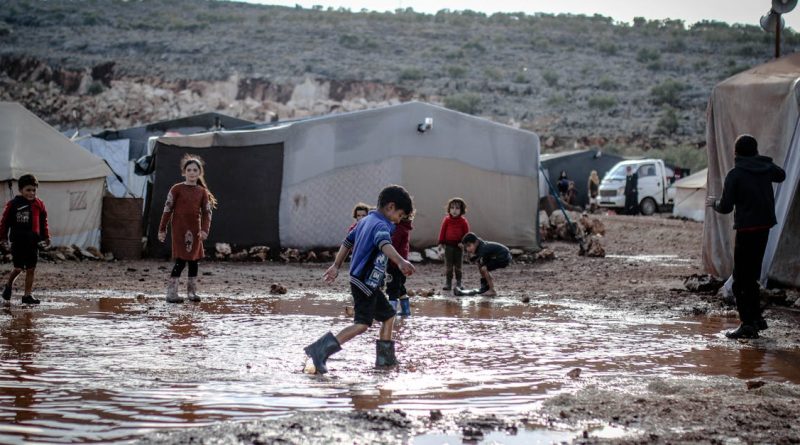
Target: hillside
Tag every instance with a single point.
(576, 80)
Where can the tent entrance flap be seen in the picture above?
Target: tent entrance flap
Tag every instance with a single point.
(247, 183)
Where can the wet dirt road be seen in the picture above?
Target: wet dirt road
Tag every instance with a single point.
(91, 368)
(96, 363)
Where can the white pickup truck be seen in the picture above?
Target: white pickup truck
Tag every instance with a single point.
(655, 190)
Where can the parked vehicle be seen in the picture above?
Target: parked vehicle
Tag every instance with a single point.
(655, 191)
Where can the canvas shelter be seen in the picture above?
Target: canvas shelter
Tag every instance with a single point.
(762, 101)
(294, 184)
(578, 164)
(690, 196)
(71, 180)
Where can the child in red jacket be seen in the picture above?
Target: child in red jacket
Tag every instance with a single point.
(454, 227)
(396, 281)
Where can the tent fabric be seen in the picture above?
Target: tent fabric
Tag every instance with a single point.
(29, 145)
(762, 101)
(71, 179)
(578, 164)
(332, 162)
(138, 136)
(690, 196)
(115, 154)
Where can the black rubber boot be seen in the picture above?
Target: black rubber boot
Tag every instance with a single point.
(7, 292)
(384, 353)
(320, 350)
(743, 331)
(448, 284)
(28, 299)
(484, 286)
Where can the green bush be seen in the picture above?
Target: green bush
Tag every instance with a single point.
(520, 78)
(607, 48)
(645, 55)
(464, 102)
(96, 88)
(411, 74)
(668, 121)
(668, 92)
(607, 83)
(550, 78)
(455, 71)
(602, 102)
(556, 100)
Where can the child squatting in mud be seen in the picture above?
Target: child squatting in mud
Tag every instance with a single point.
(371, 242)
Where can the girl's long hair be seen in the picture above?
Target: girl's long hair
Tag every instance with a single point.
(201, 180)
(594, 178)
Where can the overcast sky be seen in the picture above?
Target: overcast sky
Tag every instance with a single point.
(691, 11)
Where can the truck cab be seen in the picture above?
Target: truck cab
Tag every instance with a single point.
(653, 186)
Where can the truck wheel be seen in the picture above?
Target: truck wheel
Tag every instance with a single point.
(648, 206)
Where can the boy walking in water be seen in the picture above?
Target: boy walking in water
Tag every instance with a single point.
(371, 243)
(26, 217)
(748, 189)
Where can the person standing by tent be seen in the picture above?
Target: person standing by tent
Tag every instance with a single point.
(188, 209)
(748, 190)
(454, 227)
(563, 185)
(631, 191)
(396, 285)
(26, 217)
(593, 187)
(371, 242)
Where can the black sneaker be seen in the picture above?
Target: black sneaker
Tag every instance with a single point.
(7, 292)
(28, 299)
(743, 331)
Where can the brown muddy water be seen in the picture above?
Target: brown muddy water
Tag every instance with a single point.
(87, 367)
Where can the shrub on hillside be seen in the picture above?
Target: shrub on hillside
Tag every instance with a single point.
(668, 121)
(667, 92)
(602, 102)
(550, 78)
(464, 102)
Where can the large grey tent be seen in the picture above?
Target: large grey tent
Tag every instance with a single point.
(578, 164)
(762, 101)
(294, 184)
(71, 180)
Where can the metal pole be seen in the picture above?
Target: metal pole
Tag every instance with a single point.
(778, 36)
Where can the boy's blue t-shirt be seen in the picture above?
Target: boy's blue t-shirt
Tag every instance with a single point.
(368, 263)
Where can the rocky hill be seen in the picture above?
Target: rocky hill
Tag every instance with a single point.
(576, 80)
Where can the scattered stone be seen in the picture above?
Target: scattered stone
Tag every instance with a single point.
(349, 311)
(755, 384)
(411, 293)
(415, 257)
(436, 415)
(433, 254)
(575, 373)
(703, 283)
(546, 254)
(594, 247)
(526, 299)
(277, 289)
(517, 252)
(223, 249)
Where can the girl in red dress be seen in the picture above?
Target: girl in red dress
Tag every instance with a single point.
(188, 208)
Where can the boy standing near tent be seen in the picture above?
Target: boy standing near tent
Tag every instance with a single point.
(371, 243)
(454, 227)
(748, 189)
(26, 217)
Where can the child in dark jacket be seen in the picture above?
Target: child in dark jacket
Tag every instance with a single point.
(26, 217)
(454, 227)
(748, 190)
(396, 281)
(490, 256)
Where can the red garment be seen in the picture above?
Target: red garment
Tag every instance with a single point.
(37, 223)
(401, 238)
(189, 210)
(453, 229)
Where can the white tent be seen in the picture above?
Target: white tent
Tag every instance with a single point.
(295, 183)
(690, 196)
(762, 101)
(71, 180)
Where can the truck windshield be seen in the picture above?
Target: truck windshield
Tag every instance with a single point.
(618, 174)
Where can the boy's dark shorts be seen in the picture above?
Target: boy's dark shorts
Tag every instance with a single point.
(496, 263)
(24, 255)
(370, 307)
(396, 286)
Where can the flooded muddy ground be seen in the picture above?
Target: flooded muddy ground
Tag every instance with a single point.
(577, 349)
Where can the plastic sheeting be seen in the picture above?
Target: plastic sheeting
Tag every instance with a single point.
(115, 154)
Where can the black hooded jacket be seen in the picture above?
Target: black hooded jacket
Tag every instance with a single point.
(748, 187)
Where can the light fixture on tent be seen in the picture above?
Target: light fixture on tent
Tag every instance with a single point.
(425, 125)
(783, 6)
(770, 21)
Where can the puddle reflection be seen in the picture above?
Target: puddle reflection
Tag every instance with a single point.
(107, 369)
